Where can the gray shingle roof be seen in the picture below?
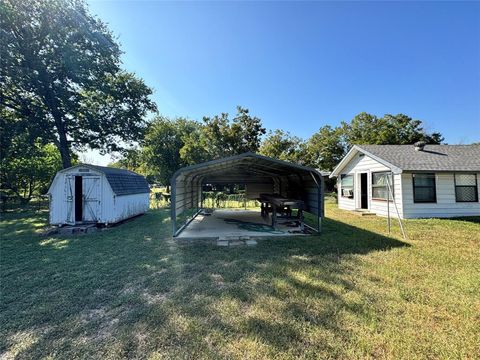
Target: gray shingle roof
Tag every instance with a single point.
(123, 182)
(432, 158)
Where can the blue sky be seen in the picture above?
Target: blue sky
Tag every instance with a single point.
(301, 65)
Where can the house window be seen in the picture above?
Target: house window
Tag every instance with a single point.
(346, 183)
(424, 188)
(380, 187)
(466, 188)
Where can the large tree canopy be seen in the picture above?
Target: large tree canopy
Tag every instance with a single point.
(163, 141)
(61, 77)
(389, 129)
(218, 136)
(325, 148)
(170, 144)
(282, 145)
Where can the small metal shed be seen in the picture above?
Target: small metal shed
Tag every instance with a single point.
(96, 194)
(260, 174)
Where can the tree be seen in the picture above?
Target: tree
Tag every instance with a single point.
(130, 159)
(219, 136)
(163, 141)
(325, 148)
(28, 169)
(390, 129)
(281, 145)
(61, 77)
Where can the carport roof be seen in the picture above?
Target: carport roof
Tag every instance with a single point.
(241, 168)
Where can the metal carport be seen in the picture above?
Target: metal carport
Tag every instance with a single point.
(261, 174)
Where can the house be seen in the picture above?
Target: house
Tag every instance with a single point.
(96, 194)
(291, 184)
(425, 180)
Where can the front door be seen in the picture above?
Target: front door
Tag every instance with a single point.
(364, 191)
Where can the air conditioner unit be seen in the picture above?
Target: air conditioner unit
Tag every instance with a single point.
(347, 193)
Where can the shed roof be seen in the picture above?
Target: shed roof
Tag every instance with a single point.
(432, 158)
(122, 181)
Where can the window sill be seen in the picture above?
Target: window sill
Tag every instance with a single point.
(384, 200)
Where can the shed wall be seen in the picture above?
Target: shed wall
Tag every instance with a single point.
(128, 206)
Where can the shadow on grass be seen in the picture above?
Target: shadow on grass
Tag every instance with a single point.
(132, 290)
(472, 219)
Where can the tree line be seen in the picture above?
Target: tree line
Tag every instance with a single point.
(63, 90)
(170, 144)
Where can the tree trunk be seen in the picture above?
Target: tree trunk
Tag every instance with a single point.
(64, 150)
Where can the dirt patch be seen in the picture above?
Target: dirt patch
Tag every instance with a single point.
(152, 299)
(218, 280)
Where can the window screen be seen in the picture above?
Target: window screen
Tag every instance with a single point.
(466, 188)
(424, 188)
(379, 185)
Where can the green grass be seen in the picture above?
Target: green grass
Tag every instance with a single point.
(132, 291)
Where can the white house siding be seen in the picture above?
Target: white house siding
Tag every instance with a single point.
(362, 164)
(446, 205)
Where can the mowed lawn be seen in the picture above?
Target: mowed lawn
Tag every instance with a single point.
(132, 291)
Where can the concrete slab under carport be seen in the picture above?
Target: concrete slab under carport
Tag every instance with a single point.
(235, 224)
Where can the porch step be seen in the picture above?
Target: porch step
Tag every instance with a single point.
(363, 213)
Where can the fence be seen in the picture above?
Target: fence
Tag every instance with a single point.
(212, 199)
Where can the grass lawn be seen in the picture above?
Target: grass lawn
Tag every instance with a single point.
(131, 291)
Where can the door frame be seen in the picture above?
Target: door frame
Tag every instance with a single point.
(70, 199)
(358, 189)
(78, 199)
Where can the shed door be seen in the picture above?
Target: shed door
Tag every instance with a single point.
(69, 199)
(91, 198)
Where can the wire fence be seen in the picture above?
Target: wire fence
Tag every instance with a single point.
(212, 199)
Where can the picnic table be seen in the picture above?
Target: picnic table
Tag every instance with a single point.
(276, 203)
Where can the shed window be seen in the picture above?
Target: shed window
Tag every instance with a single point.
(424, 190)
(379, 185)
(347, 186)
(466, 188)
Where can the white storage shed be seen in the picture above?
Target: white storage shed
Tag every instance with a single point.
(95, 194)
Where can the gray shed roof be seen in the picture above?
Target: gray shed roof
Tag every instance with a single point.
(122, 181)
(431, 158)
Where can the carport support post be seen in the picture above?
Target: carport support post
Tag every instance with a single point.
(319, 201)
(173, 211)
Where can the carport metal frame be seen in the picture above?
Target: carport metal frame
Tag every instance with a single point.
(315, 174)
